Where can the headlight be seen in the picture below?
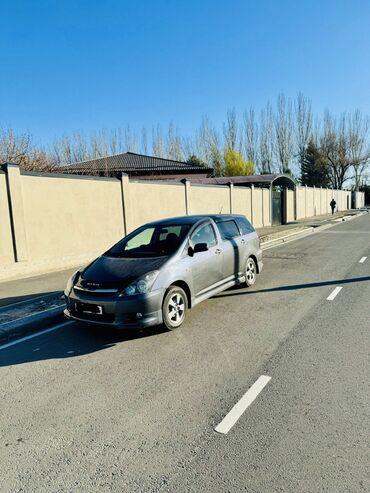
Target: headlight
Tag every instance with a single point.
(71, 282)
(142, 285)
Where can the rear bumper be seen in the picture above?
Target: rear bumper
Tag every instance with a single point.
(137, 311)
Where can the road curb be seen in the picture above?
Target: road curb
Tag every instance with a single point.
(31, 323)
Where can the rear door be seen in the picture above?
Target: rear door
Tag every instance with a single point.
(249, 243)
(231, 244)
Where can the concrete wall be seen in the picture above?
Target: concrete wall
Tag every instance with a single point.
(50, 222)
(315, 201)
(152, 201)
(209, 199)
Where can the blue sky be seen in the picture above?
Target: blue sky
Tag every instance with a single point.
(87, 64)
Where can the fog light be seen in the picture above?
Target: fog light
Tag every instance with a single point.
(139, 315)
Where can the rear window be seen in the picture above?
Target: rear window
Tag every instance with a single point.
(245, 225)
(228, 229)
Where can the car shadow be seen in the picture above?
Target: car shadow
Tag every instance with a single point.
(242, 290)
(75, 340)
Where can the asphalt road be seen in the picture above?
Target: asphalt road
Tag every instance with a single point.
(87, 410)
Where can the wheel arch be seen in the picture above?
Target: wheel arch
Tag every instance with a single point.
(183, 285)
(255, 261)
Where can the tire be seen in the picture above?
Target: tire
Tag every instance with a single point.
(174, 308)
(250, 272)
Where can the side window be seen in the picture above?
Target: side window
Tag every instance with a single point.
(204, 234)
(228, 229)
(245, 225)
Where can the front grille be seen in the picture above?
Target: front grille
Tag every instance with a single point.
(86, 294)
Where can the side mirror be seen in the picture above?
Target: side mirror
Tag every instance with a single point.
(200, 247)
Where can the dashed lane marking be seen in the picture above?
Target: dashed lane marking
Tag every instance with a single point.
(334, 293)
(232, 417)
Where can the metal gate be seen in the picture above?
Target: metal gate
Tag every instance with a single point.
(277, 209)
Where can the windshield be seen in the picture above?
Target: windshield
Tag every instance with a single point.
(150, 241)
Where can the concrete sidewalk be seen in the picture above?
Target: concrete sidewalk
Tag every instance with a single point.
(273, 232)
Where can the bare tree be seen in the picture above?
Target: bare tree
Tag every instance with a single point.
(334, 149)
(358, 145)
(144, 141)
(173, 144)
(211, 144)
(231, 129)
(303, 125)
(284, 133)
(250, 136)
(266, 140)
(19, 149)
(157, 141)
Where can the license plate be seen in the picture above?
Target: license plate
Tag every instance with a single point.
(89, 309)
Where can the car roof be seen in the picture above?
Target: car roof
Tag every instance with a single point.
(193, 219)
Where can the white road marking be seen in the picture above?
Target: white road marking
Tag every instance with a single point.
(362, 260)
(31, 336)
(334, 293)
(232, 417)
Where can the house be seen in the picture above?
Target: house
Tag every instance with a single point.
(138, 166)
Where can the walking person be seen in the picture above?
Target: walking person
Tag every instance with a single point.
(332, 205)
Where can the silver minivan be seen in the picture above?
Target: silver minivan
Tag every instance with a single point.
(160, 270)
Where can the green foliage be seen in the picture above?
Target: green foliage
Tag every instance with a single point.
(196, 161)
(314, 167)
(235, 165)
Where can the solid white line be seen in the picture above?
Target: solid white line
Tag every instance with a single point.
(232, 417)
(362, 260)
(22, 339)
(334, 293)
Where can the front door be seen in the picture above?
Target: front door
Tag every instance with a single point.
(206, 267)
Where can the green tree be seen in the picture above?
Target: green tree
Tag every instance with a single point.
(235, 165)
(195, 160)
(314, 168)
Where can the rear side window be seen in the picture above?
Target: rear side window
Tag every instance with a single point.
(228, 229)
(245, 225)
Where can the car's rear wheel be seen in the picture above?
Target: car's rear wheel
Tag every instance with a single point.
(175, 305)
(250, 272)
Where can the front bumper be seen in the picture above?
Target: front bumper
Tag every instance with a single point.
(136, 311)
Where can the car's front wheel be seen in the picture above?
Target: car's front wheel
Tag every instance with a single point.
(250, 272)
(174, 308)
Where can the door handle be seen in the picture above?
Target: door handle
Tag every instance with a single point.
(218, 251)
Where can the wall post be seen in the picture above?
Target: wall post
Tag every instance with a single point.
(231, 189)
(305, 201)
(125, 193)
(16, 210)
(252, 193)
(187, 191)
(7, 251)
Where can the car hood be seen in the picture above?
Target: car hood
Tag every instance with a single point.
(111, 272)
